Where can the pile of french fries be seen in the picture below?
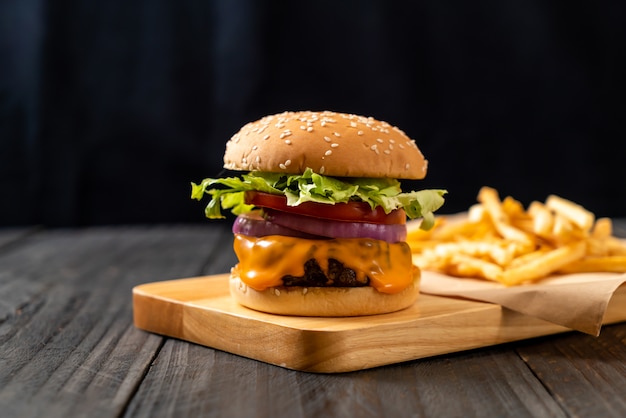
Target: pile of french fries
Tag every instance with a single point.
(502, 241)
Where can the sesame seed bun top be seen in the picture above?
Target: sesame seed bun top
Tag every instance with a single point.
(330, 143)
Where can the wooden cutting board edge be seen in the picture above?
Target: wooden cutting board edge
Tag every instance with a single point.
(200, 310)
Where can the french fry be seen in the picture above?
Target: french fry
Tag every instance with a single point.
(500, 241)
(464, 265)
(543, 265)
(476, 213)
(495, 251)
(465, 229)
(529, 256)
(572, 211)
(542, 219)
(493, 206)
(615, 246)
(513, 208)
(564, 231)
(602, 228)
(597, 247)
(512, 233)
(490, 200)
(605, 246)
(611, 263)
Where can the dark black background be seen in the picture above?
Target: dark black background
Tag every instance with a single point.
(109, 109)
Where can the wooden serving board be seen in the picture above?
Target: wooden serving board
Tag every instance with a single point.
(200, 310)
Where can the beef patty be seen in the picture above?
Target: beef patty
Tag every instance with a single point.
(338, 276)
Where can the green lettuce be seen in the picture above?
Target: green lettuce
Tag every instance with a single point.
(228, 193)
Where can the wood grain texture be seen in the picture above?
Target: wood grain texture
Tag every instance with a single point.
(587, 375)
(10, 236)
(201, 310)
(66, 337)
(190, 380)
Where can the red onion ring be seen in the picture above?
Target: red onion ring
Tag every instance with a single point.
(337, 229)
(254, 225)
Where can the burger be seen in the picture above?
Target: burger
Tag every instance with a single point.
(320, 227)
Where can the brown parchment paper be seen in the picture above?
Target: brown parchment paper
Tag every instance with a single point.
(576, 301)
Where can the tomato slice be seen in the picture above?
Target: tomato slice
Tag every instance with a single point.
(350, 211)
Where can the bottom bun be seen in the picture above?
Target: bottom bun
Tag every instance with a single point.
(323, 301)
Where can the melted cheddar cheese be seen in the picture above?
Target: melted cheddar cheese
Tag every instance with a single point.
(263, 261)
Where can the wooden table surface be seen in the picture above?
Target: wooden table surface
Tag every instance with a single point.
(68, 347)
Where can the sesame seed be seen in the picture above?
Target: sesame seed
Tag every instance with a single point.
(327, 139)
(375, 148)
(303, 127)
(323, 123)
(277, 292)
(309, 129)
(288, 141)
(407, 166)
(322, 169)
(327, 153)
(353, 124)
(401, 146)
(287, 163)
(334, 145)
(359, 133)
(336, 134)
(266, 137)
(392, 141)
(305, 290)
(282, 166)
(387, 152)
(255, 147)
(380, 141)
